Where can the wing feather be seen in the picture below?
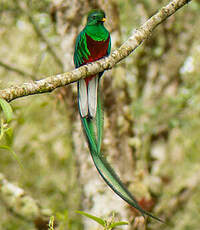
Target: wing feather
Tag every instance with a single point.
(81, 50)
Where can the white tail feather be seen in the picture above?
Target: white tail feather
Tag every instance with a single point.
(92, 96)
(82, 98)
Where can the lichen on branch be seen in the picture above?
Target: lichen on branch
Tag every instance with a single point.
(50, 83)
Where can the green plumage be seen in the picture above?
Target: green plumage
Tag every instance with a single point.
(92, 44)
(95, 30)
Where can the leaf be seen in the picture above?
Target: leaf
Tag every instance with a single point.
(51, 223)
(9, 132)
(118, 224)
(1, 129)
(7, 109)
(97, 219)
(13, 154)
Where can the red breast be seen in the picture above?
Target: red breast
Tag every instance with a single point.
(98, 49)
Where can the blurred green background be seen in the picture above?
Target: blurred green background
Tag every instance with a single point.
(151, 105)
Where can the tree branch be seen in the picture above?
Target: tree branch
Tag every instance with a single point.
(16, 70)
(50, 83)
(44, 39)
(40, 34)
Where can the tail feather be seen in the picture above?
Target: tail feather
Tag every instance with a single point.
(89, 131)
(106, 171)
(92, 96)
(114, 182)
(82, 98)
(103, 167)
(99, 120)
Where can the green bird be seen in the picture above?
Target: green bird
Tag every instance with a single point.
(92, 44)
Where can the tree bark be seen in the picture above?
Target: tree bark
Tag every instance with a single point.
(53, 82)
(127, 144)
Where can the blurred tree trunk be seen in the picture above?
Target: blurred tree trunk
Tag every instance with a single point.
(151, 110)
(134, 143)
(97, 197)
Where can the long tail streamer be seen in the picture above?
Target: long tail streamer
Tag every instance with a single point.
(103, 167)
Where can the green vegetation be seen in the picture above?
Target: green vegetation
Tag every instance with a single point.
(152, 107)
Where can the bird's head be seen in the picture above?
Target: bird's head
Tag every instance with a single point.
(96, 17)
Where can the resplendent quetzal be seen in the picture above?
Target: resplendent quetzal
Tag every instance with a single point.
(93, 43)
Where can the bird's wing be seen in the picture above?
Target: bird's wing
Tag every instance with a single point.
(109, 47)
(81, 50)
(81, 53)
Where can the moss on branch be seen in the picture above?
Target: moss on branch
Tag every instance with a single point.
(50, 83)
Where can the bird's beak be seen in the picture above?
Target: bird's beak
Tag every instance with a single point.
(103, 19)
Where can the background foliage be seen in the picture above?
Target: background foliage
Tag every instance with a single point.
(152, 102)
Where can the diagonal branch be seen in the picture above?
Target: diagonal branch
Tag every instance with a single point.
(50, 83)
(40, 34)
(44, 39)
(16, 70)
